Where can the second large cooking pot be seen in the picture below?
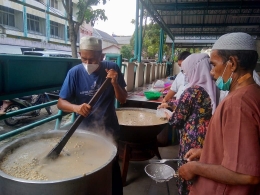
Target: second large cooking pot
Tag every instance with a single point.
(95, 182)
(146, 130)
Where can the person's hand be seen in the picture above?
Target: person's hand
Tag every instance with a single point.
(167, 115)
(164, 101)
(83, 109)
(193, 154)
(163, 105)
(186, 171)
(113, 75)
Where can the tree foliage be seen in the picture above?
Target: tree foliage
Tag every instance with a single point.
(179, 50)
(85, 13)
(126, 51)
(151, 42)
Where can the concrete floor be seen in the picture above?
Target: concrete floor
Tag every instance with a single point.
(139, 183)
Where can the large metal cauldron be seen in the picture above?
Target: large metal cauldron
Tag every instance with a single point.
(94, 183)
(138, 142)
(137, 133)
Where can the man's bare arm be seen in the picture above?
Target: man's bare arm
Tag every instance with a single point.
(217, 173)
(120, 93)
(83, 109)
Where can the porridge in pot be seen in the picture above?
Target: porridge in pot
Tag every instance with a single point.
(80, 156)
(138, 118)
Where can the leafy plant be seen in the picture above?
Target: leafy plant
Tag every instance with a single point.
(85, 13)
(126, 51)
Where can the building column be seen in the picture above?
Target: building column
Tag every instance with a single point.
(140, 34)
(136, 31)
(173, 51)
(66, 31)
(24, 20)
(65, 28)
(160, 56)
(47, 20)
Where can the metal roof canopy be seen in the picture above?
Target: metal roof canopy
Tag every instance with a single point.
(204, 19)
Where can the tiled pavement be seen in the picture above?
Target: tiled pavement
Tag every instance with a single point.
(139, 183)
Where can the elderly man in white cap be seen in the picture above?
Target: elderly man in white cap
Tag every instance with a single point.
(229, 161)
(82, 82)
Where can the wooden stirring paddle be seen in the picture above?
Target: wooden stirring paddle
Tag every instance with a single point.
(54, 153)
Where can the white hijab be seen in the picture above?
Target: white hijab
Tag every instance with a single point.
(256, 77)
(197, 68)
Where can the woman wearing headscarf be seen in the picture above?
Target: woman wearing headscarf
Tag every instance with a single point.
(193, 110)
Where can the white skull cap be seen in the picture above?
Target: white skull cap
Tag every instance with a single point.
(90, 43)
(235, 41)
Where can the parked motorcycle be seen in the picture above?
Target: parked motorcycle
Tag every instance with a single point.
(24, 102)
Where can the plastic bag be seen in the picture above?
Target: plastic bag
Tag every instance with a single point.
(161, 112)
(159, 83)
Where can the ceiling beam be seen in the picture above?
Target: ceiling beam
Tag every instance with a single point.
(255, 25)
(208, 33)
(183, 45)
(177, 10)
(208, 5)
(250, 15)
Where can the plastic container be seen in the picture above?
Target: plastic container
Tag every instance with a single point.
(152, 95)
(161, 112)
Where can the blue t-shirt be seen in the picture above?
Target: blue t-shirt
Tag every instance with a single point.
(79, 87)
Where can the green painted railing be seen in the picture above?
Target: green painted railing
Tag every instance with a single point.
(29, 75)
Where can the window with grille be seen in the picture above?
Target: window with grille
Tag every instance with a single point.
(33, 23)
(54, 4)
(54, 31)
(7, 16)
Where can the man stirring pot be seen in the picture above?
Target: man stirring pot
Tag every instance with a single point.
(82, 82)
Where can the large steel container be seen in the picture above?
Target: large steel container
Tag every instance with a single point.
(140, 133)
(138, 141)
(96, 182)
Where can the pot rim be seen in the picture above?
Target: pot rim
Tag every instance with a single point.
(4, 149)
(140, 109)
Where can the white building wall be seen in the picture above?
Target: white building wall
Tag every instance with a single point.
(17, 31)
(34, 11)
(106, 44)
(58, 20)
(14, 33)
(16, 44)
(111, 50)
(39, 39)
(11, 4)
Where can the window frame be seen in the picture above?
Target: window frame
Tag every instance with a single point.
(7, 13)
(54, 4)
(35, 20)
(55, 27)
